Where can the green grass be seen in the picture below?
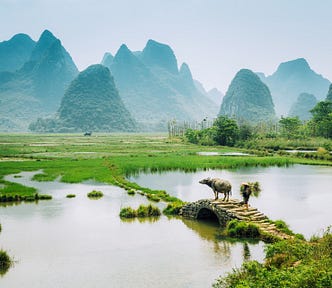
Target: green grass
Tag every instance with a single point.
(131, 192)
(288, 264)
(110, 158)
(14, 192)
(141, 212)
(241, 229)
(127, 212)
(173, 208)
(95, 194)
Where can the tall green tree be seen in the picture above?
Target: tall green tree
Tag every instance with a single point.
(290, 127)
(226, 131)
(321, 122)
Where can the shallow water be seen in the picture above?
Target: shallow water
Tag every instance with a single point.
(300, 195)
(80, 242)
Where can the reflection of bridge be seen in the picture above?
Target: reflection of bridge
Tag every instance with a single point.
(223, 212)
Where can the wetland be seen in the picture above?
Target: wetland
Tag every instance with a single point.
(71, 242)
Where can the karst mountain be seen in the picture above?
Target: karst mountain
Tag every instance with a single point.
(248, 99)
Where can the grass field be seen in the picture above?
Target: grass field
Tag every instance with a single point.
(109, 158)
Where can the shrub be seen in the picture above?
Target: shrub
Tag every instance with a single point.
(95, 194)
(5, 262)
(289, 263)
(71, 196)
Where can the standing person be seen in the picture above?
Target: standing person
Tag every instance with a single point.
(246, 192)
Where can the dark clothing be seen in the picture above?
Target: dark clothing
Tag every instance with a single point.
(246, 194)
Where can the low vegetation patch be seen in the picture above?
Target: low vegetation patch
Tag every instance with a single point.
(173, 208)
(131, 192)
(5, 262)
(95, 194)
(141, 211)
(70, 195)
(289, 263)
(128, 212)
(241, 229)
(28, 198)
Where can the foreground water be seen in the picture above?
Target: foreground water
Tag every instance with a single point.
(300, 195)
(83, 243)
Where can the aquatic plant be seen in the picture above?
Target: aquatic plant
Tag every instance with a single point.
(148, 211)
(131, 192)
(5, 262)
(127, 212)
(95, 194)
(141, 211)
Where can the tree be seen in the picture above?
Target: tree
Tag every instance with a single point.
(321, 122)
(290, 126)
(226, 131)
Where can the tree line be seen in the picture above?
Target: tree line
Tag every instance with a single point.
(229, 132)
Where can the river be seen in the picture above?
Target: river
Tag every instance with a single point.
(83, 243)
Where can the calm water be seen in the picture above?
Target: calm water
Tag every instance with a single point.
(83, 243)
(300, 195)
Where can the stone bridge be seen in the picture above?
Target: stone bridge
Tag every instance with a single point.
(223, 211)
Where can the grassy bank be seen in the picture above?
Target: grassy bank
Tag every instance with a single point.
(288, 264)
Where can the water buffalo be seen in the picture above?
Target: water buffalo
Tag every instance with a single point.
(218, 186)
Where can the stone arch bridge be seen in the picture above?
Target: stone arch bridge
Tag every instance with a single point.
(224, 211)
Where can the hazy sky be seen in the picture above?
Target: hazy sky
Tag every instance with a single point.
(216, 38)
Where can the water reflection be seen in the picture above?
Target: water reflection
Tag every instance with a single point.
(300, 194)
(81, 243)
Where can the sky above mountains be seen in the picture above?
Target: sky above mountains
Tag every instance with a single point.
(216, 38)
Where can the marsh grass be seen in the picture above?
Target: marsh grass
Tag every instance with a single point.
(173, 208)
(141, 212)
(95, 194)
(127, 212)
(14, 192)
(131, 192)
(241, 229)
(109, 158)
(290, 263)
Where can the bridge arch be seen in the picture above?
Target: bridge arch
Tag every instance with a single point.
(207, 214)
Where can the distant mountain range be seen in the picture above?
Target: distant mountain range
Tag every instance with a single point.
(248, 99)
(153, 88)
(290, 80)
(34, 78)
(33, 85)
